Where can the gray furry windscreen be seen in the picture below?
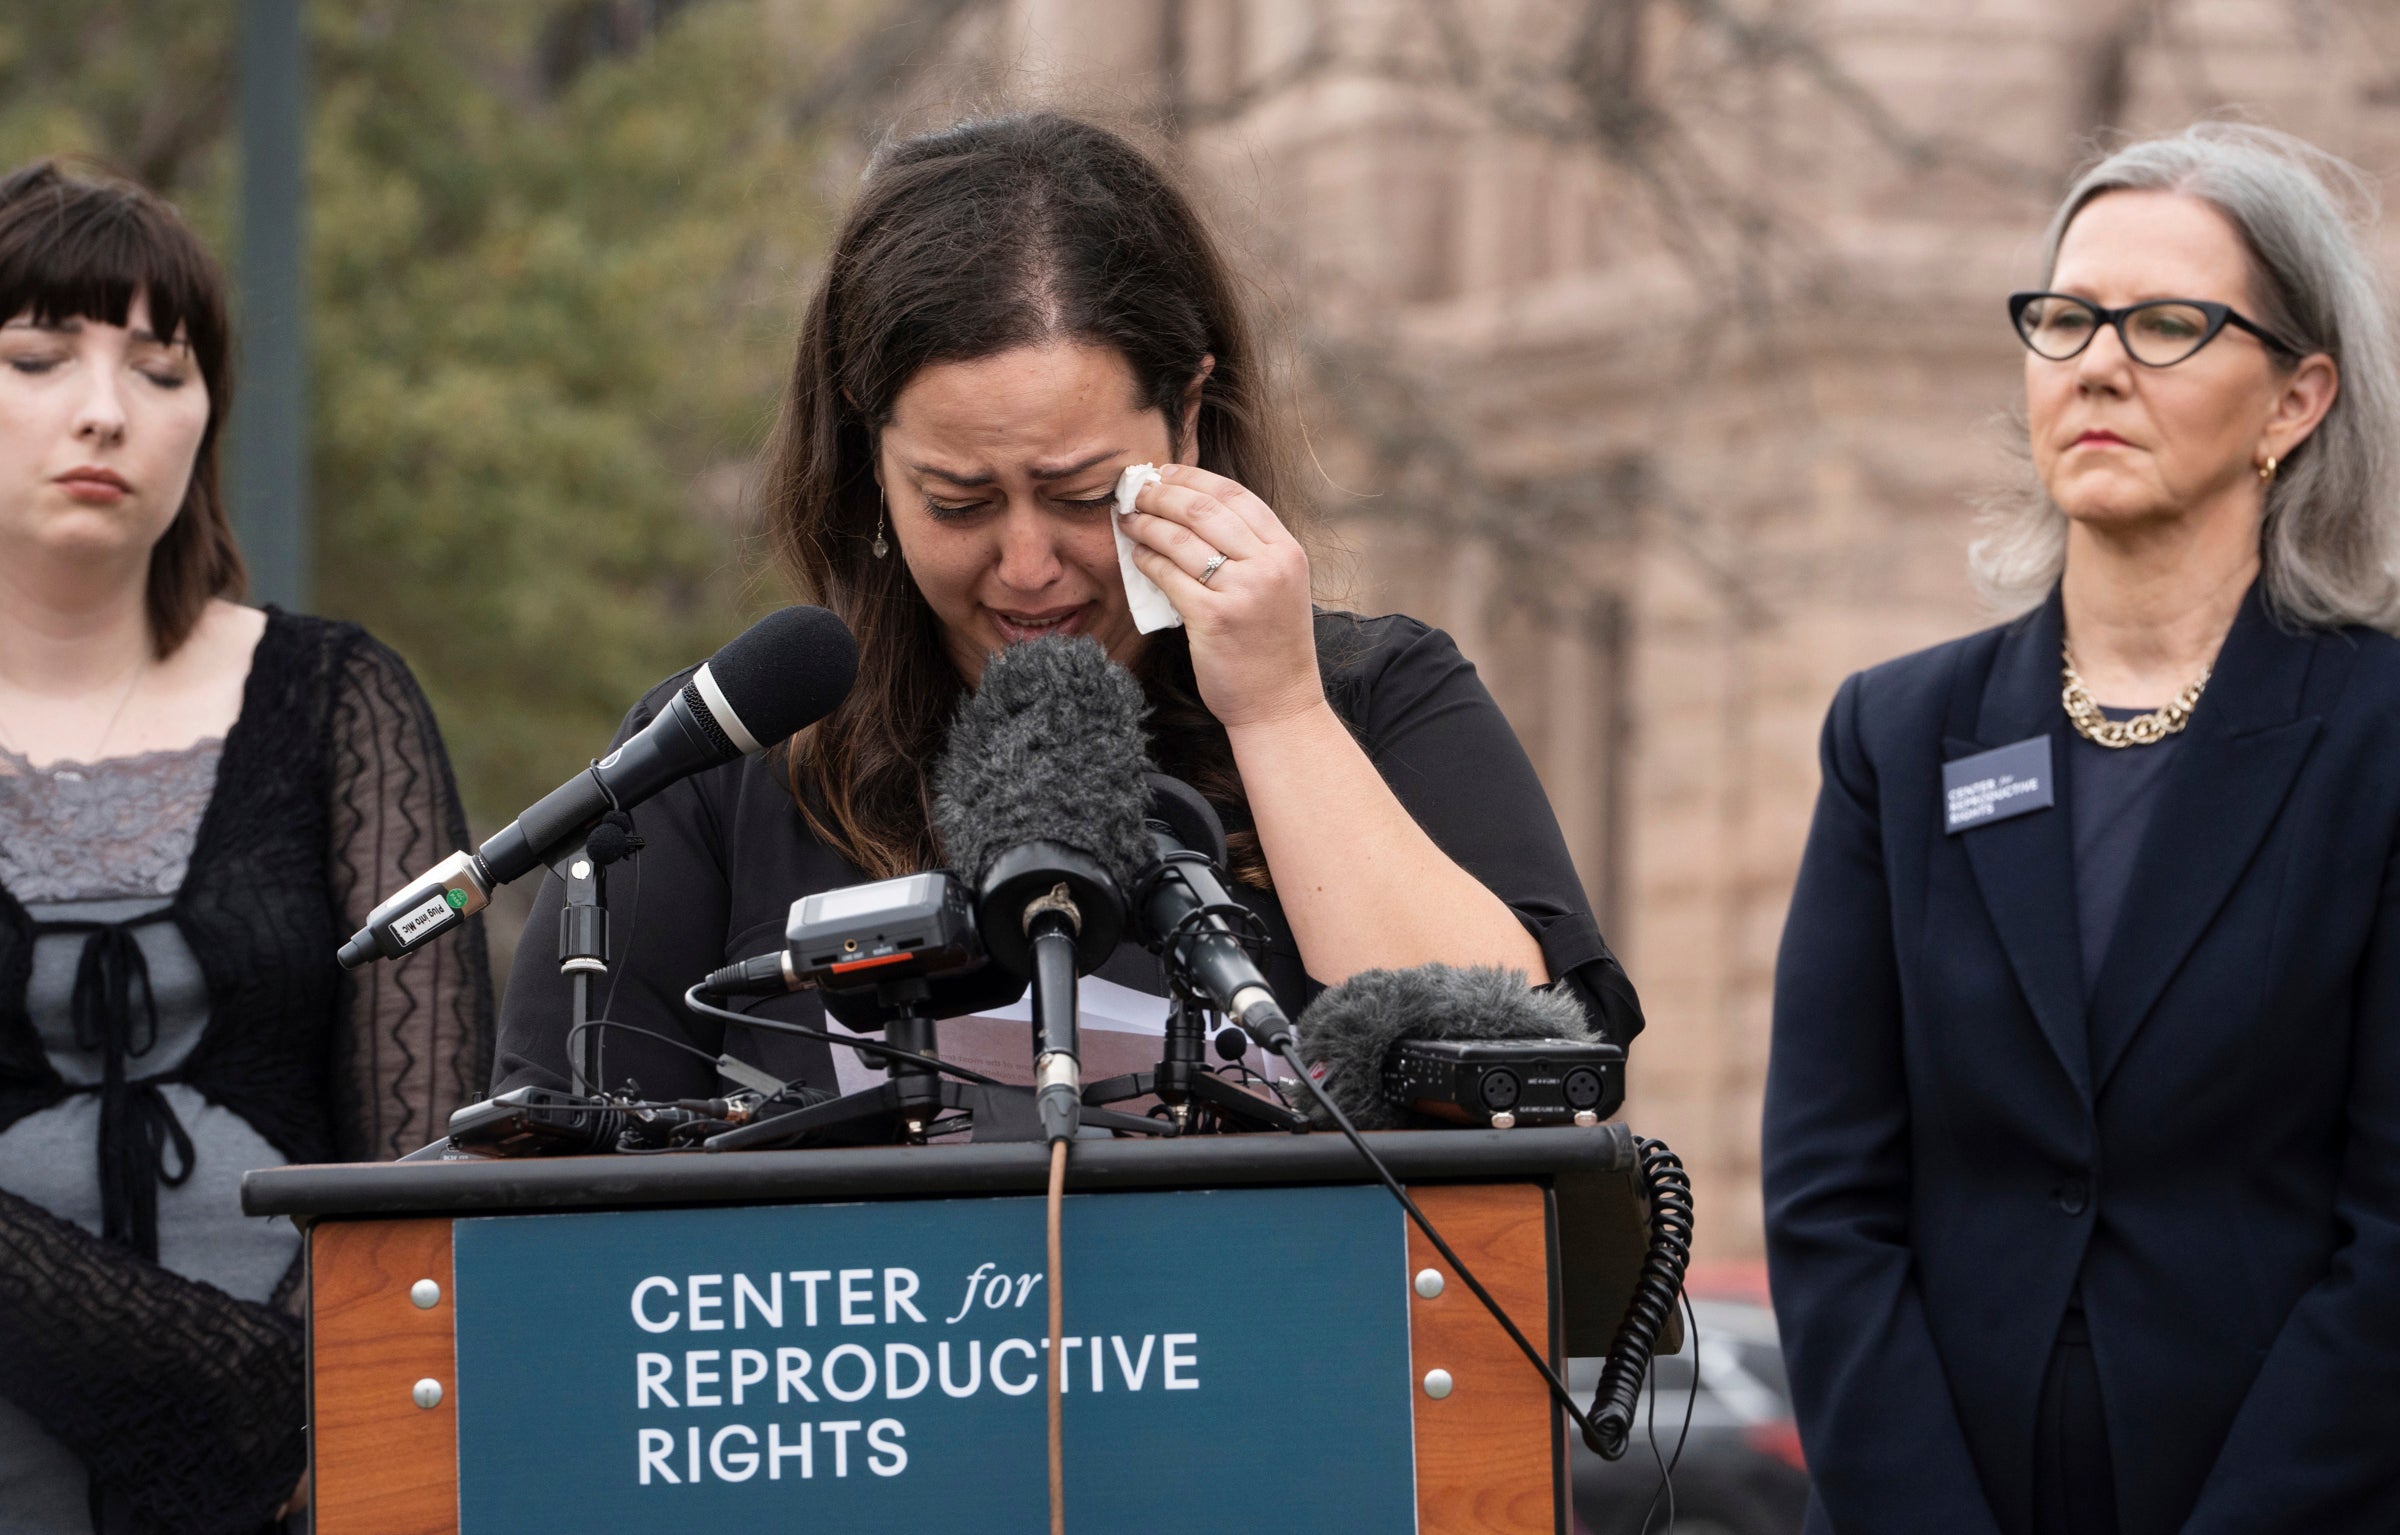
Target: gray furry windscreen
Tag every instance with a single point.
(1049, 749)
(1350, 1028)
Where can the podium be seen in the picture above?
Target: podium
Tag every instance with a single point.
(853, 1339)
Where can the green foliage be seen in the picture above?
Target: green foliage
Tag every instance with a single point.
(147, 87)
(548, 322)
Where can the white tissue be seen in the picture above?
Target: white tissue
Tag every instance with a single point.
(1150, 608)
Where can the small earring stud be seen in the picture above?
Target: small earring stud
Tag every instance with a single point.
(2266, 471)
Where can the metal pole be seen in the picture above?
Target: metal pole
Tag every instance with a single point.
(270, 423)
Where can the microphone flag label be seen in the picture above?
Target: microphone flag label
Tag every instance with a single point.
(435, 910)
(1235, 1359)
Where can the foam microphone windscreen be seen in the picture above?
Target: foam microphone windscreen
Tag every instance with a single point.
(1049, 749)
(786, 672)
(1349, 1029)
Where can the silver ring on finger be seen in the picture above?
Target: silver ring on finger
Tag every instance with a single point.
(1209, 571)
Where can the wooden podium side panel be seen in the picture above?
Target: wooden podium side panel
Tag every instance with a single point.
(383, 1465)
(1485, 1453)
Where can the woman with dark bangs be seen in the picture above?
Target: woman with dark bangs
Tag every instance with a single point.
(197, 801)
(1015, 314)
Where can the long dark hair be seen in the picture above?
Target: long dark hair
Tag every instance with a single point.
(987, 236)
(79, 248)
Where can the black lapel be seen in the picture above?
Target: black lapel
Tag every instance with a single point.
(2025, 866)
(2219, 796)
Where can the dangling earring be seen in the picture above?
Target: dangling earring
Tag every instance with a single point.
(879, 548)
(2266, 471)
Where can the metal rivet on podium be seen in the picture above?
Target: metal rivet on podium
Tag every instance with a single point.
(425, 1294)
(428, 1392)
(1429, 1282)
(1437, 1384)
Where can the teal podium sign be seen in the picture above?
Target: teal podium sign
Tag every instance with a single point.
(1235, 1359)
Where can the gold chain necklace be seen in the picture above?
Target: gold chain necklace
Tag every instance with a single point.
(2142, 729)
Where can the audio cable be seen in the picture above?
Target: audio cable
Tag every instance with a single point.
(1606, 1426)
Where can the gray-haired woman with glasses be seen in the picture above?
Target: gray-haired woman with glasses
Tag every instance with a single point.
(2082, 1142)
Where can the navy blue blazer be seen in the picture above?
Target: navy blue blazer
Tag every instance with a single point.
(1954, 1138)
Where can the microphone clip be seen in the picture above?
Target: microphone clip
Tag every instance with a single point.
(1026, 882)
(1060, 899)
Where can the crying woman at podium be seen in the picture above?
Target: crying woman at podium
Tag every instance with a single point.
(1015, 314)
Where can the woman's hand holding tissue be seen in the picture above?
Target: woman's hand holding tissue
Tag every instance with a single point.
(1252, 629)
(1362, 884)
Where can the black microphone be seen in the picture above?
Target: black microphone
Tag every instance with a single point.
(787, 671)
(1039, 802)
(1349, 1033)
(1181, 907)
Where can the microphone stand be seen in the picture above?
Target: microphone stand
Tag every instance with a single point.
(1052, 924)
(583, 939)
(1193, 1094)
(909, 1098)
(912, 1095)
(1050, 912)
(583, 959)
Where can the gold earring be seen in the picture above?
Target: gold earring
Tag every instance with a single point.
(2266, 471)
(879, 548)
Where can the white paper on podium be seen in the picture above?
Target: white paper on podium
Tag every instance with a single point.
(1120, 1031)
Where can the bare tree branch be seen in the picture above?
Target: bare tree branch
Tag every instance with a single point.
(1677, 118)
(903, 37)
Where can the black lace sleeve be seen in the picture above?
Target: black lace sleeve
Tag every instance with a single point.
(185, 1402)
(414, 1039)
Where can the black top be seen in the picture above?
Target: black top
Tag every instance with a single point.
(727, 851)
(186, 1403)
(2110, 791)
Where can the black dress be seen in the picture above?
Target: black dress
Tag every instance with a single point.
(187, 1404)
(727, 852)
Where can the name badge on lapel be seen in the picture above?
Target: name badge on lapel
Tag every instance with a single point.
(1994, 785)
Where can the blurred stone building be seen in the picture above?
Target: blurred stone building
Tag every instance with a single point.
(1655, 349)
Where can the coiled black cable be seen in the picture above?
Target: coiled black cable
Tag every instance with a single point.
(1654, 1297)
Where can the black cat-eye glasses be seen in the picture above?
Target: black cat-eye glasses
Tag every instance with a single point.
(2156, 334)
